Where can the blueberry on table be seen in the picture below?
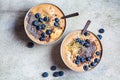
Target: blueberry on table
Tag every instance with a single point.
(37, 15)
(77, 61)
(30, 44)
(53, 68)
(97, 53)
(48, 32)
(56, 20)
(43, 35)
(40, 20)
(88, 58)
(43, 26)
(86, 34)
(45, 74)
(41, 39)
(56, 24)
(61, 73)
(78, 40)
(101, 30)
(96, 60)
(56, 74)
(46, 19)
(35, 23)
(85, 67)
(99, 36)
(38, 27)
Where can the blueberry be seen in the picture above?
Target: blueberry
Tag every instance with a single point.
(40, 20)
(92, 64)
(30, 45)
(85, 67)
(38, 27)
(41, 39)
(82, 42)
(88, 58)
(46, 18)
(43, 26)
(78, 57)
(96, 60)
(37, 15)
(61, 73)
(78, 40)
(45, 74)
(56, 74)
(53, 68)
(101, 30)
(56, 24)
(99, 36)
(86, 34)
(35, 23)
(77, 61)
(87, 41)
(56, 20)
(97, 53)
(43, 35)
(87, 45)
(82, 59)
(48, 32)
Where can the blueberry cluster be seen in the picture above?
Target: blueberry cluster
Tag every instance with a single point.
(56, 23)
(85, 43)
(55, 74)
(100, 31)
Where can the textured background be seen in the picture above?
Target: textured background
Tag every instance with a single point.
(17, 62)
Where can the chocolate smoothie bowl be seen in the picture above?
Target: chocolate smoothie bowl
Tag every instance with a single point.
(43, 23)
(81, 51)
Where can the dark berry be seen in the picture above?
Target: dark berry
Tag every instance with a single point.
(45, 74)
(96, 60)
(97, 53)
(87, 41)
(77, 61)
(88, 58)
(99, 36)
(82, 59)
(56, 20)
(30, 45)
(43, 26)
(85, 67)
(37, 15)
(56, 24)
(56, 74)
(78, 40)
(38, 27)
(40, 20)
(41, 39)
(87, 45)
(101, 30)
(61, 73)
(35, 23)
(48, 32)
(46, 19)
(78, 57)
(53, 68)
(43, 35)
(86, 34)
(92, 64)
(82, 42)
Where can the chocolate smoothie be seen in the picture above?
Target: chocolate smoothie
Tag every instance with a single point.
(43, 23)
(81, 52)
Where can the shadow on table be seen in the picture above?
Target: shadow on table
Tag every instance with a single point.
(19, 27)
(56, 57)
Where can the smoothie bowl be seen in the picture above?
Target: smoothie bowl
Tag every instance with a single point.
(81, 52)
(43, 23)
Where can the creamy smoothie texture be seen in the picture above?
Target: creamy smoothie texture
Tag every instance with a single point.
(43, 23)
(81, 52)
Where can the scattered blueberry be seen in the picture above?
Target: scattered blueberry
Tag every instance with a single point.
(86, 34)
(78, 40)
(53, 68)
(99, 36)
(61, 73)
(37, 15)
(56, 74)
(87, 45)
(35, 23)
(82, 42)
(92, 64)
(85, 67)
(78, 57)
(46, 18)
(87, 41)
(97, 53)
(30, 44)
(45, 74)
(38, 27)
(56, 20)
(43, 35)
(43, 26)
(88, 58)
(41, 39)
(96, 60)
(77, 61)
(48, 32)
(56, 24)
(82, 59)
(101, 30)
(40, 20)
